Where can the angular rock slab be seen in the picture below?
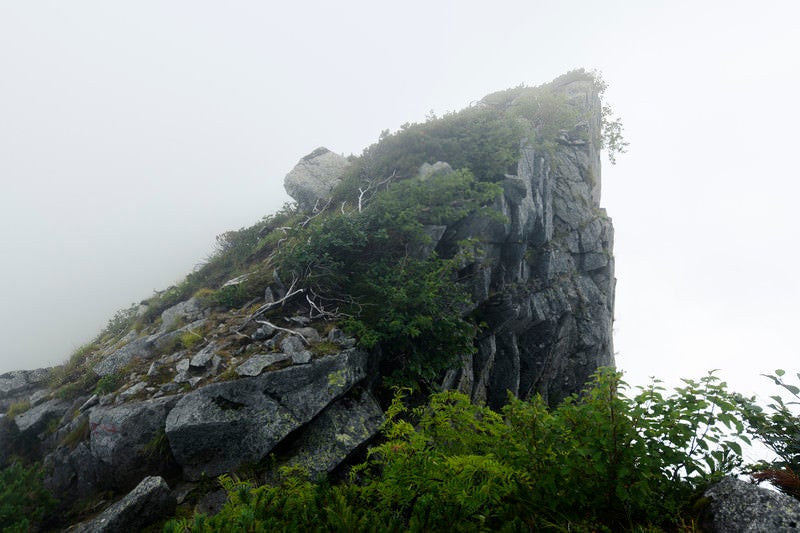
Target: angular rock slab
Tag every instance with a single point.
(20, 384)
(122, 437)
(74, 474)
(218, 427)
(745, 508)
(149, 502)
(337, 432)
(257, 363)
(36, 419)
(139, 348)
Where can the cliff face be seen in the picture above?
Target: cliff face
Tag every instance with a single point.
(206, 385)
(545, 281)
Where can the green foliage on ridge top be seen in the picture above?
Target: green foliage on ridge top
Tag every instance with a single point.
(411, 305)
(485, 137)
(601, 461)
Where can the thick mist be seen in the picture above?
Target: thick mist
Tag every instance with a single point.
(131, 135)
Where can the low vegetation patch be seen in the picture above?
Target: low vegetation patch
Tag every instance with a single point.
(608, 459)
(17, 408)
(23, 499)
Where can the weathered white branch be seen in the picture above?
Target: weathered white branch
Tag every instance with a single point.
(291, 293)
(321, 312)
(372, 185)
(318, 213)
(287, 330)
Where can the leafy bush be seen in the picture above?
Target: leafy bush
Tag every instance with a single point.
(601, 461)
(412, 306)
(108, 384)
(778, 427)
(23, 499)
(414, 310)
(600, 458)
(120, 323)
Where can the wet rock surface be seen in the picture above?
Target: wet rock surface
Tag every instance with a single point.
(735, 505)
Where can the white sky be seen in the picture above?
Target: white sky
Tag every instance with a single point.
(133, 133)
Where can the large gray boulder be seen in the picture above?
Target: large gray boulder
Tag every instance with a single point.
(129, 440)
(314, 177)
(187, 311)
(74, 473)
(20, 385)
(741, 507)
(141, 348)
(125, 444)
(36, 419)
(218, 427)
(146, 504)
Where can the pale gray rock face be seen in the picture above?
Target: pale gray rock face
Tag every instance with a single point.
(204, 357)
(149, 502)
(216, 428)
(123, 447)
(141, 348)
(314, 177)
(736, 505)
(74, 473)
(123, 438)
(256, 364)
(21, 384)
(36, 419)
(427, 170)
(296, 349)
(337, 432)
(187, 311)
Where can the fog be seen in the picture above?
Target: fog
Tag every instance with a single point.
(132, 134)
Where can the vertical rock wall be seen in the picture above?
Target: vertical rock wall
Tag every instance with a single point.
(543, 281)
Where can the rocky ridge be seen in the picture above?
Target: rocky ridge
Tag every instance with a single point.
(203, 391)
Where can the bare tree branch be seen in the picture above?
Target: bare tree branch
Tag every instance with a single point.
(291, 293)
(370, 186)
(287, 330)
(318, 213)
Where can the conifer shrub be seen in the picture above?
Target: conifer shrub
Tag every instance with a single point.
(603, 460)
(412, 306)
(24, 501)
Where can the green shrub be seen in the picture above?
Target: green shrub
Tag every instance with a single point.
(414, 310)
(190, 339)
(17, 408)
(79, 434)
(75, 369)
(325, 347)
(231, 296)
(122, 321)
(108, 384)
(23, 499)
(778, 427)
(412, 306)
(600, 458)
(601, 461)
